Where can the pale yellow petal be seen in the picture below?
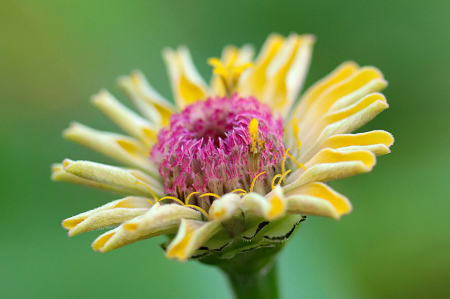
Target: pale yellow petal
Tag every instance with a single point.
(161, 217)
(126, 119)
(225, 207)
(191, 236)
(310, 205)
(187, 85)
(60, 175)
(342, 72)
(114, 176)
(151, 104)
(360, 83)
(342, 121)
(119, 147)
(110, 214)
(159, 220)
(271, 207)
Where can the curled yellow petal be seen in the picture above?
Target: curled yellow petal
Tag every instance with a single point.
(342, 72)
(331, 164)
(270, 207)
(377, 142)
(343, 121)
(319, 191)
(355, 83)
(225, 207)
(191, 236)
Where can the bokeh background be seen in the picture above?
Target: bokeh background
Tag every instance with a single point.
(55, 54)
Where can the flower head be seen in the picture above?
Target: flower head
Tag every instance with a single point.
(232, 169)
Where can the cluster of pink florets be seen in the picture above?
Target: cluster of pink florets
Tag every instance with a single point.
(207, 147)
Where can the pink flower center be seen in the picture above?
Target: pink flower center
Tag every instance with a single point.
(208, 149)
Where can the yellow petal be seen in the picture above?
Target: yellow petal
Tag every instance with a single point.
(276, 91)
(319, 191)
(191, 236)
(297, 71)
(378, 142)
(187, 84)
(146, 98)
(121, 148)
(331, 164)
(114, 176)
(253, 82)
(126, 119)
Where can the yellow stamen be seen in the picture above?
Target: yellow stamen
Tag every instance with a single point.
(149, 189)
(253, 130)
(274, 178)
(285, 174)
(199, 209)
(293, 159)
(151, 202)
(279, 176)
(189, 196)
(254, 180)
(174, 198)
(302, 166)
(283, 162)
(210, 194)
(242, 190)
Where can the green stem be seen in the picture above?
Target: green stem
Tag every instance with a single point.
(259, 285)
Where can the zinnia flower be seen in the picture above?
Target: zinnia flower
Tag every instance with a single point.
(230, 171)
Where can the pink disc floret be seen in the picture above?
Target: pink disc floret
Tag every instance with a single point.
(207, 147)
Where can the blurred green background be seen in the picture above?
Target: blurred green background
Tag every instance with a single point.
(55, 54)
